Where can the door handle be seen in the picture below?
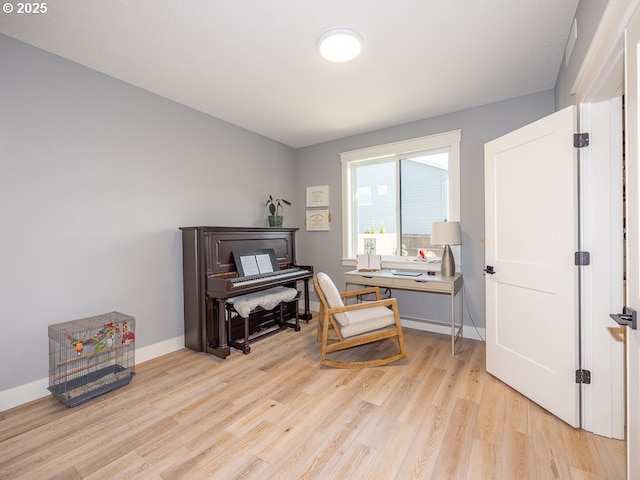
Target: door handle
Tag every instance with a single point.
(489, 270)
(628, 318)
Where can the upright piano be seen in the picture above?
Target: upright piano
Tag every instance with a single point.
(210, 277)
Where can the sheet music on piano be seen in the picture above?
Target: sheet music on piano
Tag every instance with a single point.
(255, 262)
(264, 263)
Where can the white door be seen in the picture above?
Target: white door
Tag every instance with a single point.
(531, 240)
(632, 77)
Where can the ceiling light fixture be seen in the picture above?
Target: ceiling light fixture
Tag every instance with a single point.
(340, 45)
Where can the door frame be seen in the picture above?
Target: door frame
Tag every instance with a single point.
(601, 79)
(602, 339)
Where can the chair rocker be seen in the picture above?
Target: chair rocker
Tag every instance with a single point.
(356, 324)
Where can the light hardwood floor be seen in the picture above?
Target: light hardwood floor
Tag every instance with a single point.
(276, 413)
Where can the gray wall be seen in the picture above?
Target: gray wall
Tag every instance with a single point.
(588, 16)
(320, 165)
(96, 176)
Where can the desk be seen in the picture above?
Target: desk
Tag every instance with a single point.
(424, 283)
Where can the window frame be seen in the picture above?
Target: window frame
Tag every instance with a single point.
(391, 151)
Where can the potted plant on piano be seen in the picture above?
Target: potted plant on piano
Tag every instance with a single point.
(276, 207)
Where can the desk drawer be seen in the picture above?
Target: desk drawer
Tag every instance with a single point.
(368, 281)
(409, 284)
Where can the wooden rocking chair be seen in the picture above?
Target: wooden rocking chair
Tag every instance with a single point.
(356, 324)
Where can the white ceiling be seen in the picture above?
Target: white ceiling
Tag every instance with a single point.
(253, 62)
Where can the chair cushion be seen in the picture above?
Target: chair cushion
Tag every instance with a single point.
(366, 320)
(332, 296)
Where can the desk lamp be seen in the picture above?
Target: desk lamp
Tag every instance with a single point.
(446, 233)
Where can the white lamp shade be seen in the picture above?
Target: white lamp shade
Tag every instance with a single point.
(446, 233)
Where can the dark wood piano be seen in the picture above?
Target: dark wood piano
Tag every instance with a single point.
(210, 278)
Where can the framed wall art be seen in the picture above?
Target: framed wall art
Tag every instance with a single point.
(318, 196)
(317, 220)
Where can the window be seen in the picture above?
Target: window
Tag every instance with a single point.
(393, 193)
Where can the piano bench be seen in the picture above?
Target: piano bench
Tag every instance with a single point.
(243, 306)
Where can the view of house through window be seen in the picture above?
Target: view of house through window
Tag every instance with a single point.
(393, 200)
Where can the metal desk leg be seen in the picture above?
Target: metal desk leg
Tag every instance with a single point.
(455, 334)
(453, 321)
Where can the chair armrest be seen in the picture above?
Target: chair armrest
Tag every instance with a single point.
(387, 302)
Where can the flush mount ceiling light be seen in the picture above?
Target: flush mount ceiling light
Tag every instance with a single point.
(340, 45)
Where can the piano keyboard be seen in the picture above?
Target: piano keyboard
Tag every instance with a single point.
(248, 280)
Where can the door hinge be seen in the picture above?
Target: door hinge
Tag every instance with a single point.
(582, 259)
(580, 140)
(583, 376)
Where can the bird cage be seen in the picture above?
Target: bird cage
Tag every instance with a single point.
(91, 356)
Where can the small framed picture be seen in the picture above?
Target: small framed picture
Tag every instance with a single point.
(370, 246)
(317, 220)
(318, 196)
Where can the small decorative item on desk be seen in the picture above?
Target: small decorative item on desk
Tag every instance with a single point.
(446, 234)
(276, 207)
(368, 263)
(428, 256)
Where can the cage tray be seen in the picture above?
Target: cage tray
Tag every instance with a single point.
(79, 390)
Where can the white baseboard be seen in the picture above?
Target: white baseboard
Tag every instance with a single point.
(159, 349)
(24, 394)
(468, 331)
(29, 392)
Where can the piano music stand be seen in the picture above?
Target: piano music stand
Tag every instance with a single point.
(241, 259)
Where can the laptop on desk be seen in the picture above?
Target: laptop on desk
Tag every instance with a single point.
(406, 273)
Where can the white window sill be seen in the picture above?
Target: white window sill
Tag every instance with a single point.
(403, 263)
